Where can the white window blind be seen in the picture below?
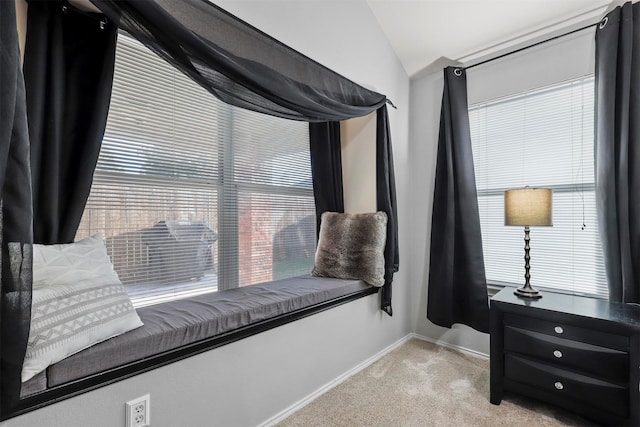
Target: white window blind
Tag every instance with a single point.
(193, 195)
(542, 138)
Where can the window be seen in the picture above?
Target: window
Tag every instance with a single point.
(541, 138)
(193, 195)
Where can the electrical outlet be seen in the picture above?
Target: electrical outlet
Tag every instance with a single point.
(138, 412)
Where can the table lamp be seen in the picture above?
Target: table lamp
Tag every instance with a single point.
(528, 207)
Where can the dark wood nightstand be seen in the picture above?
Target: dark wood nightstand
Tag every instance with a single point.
(582, 354)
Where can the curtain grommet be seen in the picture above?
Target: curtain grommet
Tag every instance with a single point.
(603, 23)
(65, 9)
(457, 72)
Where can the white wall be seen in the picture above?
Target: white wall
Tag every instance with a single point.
(250, 381)
(560, 60)
(556, 61)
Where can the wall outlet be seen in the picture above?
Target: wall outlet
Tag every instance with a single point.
(138, 412)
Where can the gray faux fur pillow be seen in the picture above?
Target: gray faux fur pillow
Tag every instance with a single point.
(351, 246)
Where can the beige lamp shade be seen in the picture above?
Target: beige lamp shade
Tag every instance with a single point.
(528, 206)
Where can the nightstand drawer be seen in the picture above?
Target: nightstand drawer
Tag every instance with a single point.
(568, 331)
(609, 397)
(579, 356)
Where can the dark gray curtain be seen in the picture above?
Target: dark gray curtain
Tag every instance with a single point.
(617, 149)
(326, 168)
(457, 282)
(239, 64)
(15, 213)
(68, 68)
(386, 202)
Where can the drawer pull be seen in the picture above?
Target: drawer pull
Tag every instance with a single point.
(558, 329)
(557, 353)
(559, 385)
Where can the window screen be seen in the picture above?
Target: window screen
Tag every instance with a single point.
(542, 138)
(192, 195)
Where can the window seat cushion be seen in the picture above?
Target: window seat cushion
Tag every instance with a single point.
(37, 383)
(177, 323)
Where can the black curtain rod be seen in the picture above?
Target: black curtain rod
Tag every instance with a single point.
(98, 16)
(533, 45)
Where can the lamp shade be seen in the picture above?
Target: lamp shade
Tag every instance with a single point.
(528, 206)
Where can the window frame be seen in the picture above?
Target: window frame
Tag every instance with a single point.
(494, 285)
(225, 182)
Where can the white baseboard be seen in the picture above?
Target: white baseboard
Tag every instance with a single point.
(331, 384)
(451, 346)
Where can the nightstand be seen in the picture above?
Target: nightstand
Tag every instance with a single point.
(582, 354)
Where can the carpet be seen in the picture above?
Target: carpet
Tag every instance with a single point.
(423, 384)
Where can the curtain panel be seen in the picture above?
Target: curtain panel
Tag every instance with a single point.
(386, 202)
(15, 213)
(326, 168)
(457, 283)
(617, 149)
(68, 69)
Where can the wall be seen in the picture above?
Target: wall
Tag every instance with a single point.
(250, 381)
(21, 18)
(359, 164)
(566, 58)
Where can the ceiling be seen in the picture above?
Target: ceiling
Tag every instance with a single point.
(424, 33)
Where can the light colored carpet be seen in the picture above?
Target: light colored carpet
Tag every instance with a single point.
(422, 384)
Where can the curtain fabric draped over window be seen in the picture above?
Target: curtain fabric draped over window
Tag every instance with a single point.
(244, 67)
(457, 282)
(326, 168)
(386, 202)
(617, 152)
(68, 71)
(239, 64)
(15, 212)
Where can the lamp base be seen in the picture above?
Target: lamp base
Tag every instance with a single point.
(527, 292)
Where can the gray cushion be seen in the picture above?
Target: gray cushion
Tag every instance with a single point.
(35, 384)
(351, 246)
(177, 323)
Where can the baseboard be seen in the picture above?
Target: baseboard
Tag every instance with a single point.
(331, 384)
(451, 346)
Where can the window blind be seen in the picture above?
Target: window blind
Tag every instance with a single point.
(541, 138)
(193, 195)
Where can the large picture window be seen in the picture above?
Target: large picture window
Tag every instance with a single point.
(193, 195)
(542, 138)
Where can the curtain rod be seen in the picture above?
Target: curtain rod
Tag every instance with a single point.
(98, 16)
(533, 45)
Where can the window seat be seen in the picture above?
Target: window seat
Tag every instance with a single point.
(175, 324)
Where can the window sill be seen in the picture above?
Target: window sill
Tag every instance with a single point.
(311, 302)
(495, 287)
